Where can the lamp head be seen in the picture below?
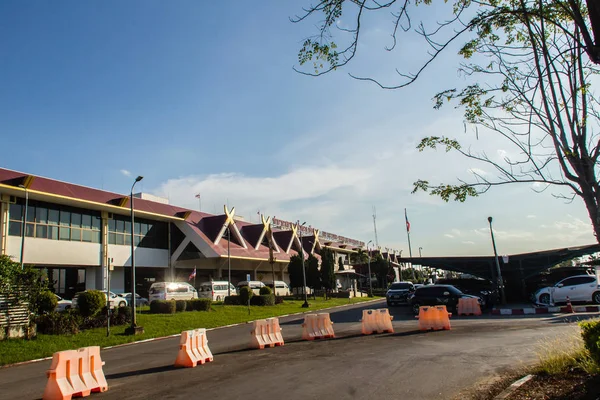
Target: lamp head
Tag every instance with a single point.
(490, 220)
(139, 178)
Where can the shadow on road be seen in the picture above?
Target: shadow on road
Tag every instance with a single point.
(569, 318)
(147, 371)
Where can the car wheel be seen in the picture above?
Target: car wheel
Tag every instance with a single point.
(545, 298)
(596, 297)
(121, 304)
(416, 307)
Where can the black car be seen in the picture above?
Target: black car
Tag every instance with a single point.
(437, 295)
(399, 292)
(482, 288)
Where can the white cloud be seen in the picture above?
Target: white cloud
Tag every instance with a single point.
(477, 171)
(449, 235)
(531, 216)
(125, 172)
(469, 242)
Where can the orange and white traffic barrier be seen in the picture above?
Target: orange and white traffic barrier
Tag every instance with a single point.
(436, 318)
(377, 321)
(266, 333)
(326, 325)
(193, 349)
(468, 306)
(369, 324)
(317, 326)
(75, 373)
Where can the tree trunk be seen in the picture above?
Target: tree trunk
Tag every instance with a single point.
(593, 7)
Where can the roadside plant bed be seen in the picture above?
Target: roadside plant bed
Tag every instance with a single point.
(574, 385)
(155, 325)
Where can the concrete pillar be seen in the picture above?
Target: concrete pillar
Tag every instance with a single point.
(3, 223)
(102, 272)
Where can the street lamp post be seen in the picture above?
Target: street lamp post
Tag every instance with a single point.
(23, 228)
(499, 281)
(369, 266)
(133, 329)
(305, 305)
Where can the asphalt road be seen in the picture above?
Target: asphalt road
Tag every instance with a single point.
(407, 364)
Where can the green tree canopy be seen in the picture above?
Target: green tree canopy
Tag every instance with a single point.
(313, 276)
(295, 271)
(328, 269)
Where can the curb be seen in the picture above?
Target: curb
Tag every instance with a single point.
(178, 334)
(545, 310)
(512, 388)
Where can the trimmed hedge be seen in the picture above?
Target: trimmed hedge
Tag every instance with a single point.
(245, 295)
(163, 307)
(232, 301)
(339, 295)
(263, 300)
(90, 302)
(45, 302)
(199, 305)
(265, 290)
(180, 305)
(56, 323)
(590, 331)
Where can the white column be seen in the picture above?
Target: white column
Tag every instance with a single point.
(3, 223)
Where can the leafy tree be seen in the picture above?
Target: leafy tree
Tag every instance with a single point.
(327, 269)
(380, 268)
(295, 271)
(20, 285)
(313, 277)
(528, 68)
(340, 264)
(359, 258)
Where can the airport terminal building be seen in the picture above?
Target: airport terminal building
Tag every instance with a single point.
(73, 232)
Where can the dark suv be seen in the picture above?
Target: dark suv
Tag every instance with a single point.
(399, 292)
(437, 295)
(481, 288)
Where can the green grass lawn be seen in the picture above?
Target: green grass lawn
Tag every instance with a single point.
(155, 325)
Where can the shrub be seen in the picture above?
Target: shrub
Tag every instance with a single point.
(90, 302)
(180, 305)
(122, 316)
(232, 300)
(245, 295)
(278, 299)
(265, 290)
(590, 331)
(263, 300)
(163, 307)
(55, 323)
(199, 305)
(44, 302)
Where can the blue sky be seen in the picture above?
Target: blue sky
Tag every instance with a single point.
(202, 97)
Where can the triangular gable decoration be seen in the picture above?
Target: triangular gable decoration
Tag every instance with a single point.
(235, 233)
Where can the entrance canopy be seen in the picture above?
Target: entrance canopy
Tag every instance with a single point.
(525, 264)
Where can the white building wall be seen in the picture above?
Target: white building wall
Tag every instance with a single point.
(55, 252)
(121, 256)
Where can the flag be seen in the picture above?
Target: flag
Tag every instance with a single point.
(198, 196)
(407, 223)
(192, 275)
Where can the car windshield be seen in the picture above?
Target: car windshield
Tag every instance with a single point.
(400, 286)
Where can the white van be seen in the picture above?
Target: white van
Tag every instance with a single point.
(215, 290)
(281, 288)
(172, 291)
(254, 285)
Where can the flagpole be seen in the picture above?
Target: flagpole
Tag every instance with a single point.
(195, 273)
(409, 247)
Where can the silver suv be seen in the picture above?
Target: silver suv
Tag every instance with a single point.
(583, 288)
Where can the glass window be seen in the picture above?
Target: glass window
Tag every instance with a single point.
(120, 239)
(136, 240)
(589, 279)
(41, 215)
(30, 214)
(64, 233)
(16, 212)
(41, 231)
(76, 234)
(52, 217)
(81, 276)
(127, 239)
(112, 238)
(112, 225)
(95, 236)
(96, 223)
(65, 218)
(52, 232)
(137, 228)
(14, 228)
(120, 226)
(569, 282)
(76, 220)
(143, 228)
(127, 226)
(86, 221)
(29, 230)
(86, 235)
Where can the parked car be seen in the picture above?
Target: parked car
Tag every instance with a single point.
(254, 285)
(139, 300)
(437, 295)
(215, 290)
(555, 275)
(115, 299)
(63, 304)
(281, 288)
(399, 292)
(482, 288)
(172, 291)
(584, 288)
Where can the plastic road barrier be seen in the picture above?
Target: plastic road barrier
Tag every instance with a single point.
(317, 326)
(377, 321)
(468, 306)
(75, 373)
(436, 318)
(266, 333)
(193, 349)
